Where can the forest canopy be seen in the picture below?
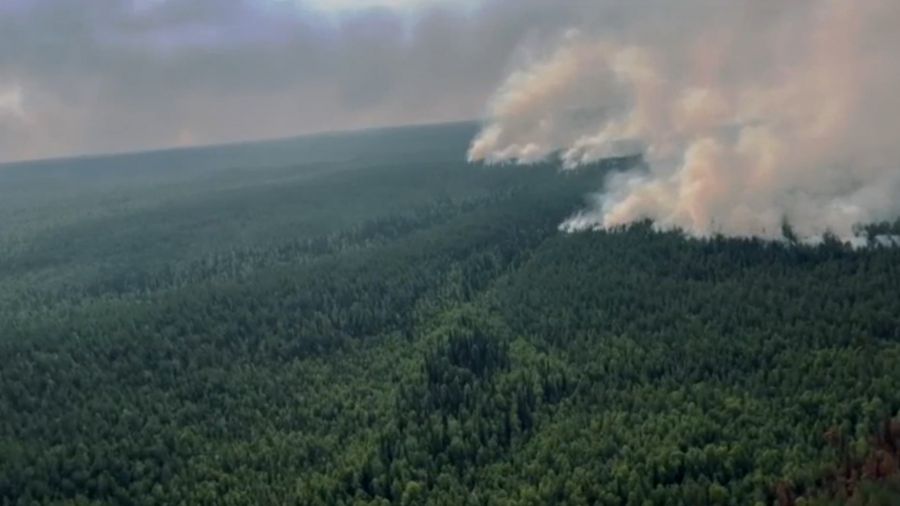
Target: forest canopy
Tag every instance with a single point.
(346, 320)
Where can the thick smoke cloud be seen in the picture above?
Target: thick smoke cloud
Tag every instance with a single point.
(748, 114)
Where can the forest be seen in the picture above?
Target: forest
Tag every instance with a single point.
(367, 319)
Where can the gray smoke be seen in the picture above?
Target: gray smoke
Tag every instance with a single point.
(88, 76)
(749, 114)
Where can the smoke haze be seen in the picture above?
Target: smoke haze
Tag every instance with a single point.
(748, 114)
(91, 76)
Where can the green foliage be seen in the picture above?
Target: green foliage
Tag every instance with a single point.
(382, 325)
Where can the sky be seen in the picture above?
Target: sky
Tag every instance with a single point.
(91, 76)
(749, 114)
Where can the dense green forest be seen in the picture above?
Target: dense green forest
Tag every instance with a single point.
(366, 319)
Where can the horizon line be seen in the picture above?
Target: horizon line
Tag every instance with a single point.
(235, 143)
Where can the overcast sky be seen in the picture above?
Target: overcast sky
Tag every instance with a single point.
(88, 76)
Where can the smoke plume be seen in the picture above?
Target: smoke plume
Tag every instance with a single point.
(748, 114)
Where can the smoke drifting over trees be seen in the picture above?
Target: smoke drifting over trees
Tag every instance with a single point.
(749, 115)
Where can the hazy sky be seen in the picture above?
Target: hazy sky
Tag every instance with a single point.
(85, 76)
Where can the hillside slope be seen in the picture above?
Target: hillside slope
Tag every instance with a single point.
(367, 319)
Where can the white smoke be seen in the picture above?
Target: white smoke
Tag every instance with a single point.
(755, 114)
(11, 103)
